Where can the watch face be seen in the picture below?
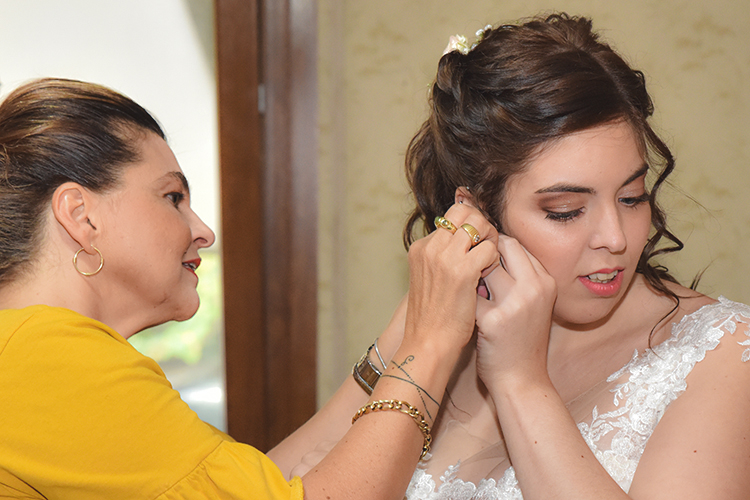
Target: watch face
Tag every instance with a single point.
(365, 373)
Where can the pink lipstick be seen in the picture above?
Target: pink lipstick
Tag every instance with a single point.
(605, 282)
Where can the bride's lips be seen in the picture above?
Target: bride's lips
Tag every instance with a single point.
(604, 282)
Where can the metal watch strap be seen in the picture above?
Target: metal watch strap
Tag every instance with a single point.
(365, 373)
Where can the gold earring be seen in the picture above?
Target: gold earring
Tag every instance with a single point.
(101, 262)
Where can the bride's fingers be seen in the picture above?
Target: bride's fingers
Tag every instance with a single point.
(498, 281)
(484, 307)
(538, 266)
(517, 261)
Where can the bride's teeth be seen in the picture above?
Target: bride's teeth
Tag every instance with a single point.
(602, 277)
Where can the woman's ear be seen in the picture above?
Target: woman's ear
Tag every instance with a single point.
(71, 205)
(464, 196)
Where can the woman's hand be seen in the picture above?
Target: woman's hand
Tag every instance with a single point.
(445, 268)
(514, 323)
(444, 273)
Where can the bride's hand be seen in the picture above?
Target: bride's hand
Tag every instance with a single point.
(513, 325)
(444, 272)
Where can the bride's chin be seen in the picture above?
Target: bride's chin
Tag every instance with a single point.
(582, 318)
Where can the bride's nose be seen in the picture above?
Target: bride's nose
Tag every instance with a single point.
(609, 232)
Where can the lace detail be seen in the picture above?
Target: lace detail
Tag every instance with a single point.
(652, 382)
(422, 487)
(643, 389)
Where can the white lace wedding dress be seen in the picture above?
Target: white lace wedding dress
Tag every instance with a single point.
(616, 418)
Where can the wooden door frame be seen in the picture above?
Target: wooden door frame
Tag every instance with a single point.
(267, 102)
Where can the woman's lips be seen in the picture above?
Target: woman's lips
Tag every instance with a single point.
(605, 282)
(192, 265)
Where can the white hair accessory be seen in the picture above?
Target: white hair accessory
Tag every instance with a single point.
(459, 42)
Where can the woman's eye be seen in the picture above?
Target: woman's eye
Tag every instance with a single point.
(564, 216)
(635, 201)
(175, 197)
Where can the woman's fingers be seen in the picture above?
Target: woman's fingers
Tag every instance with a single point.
(446, 267)
(465, 214)
(487, 257)
(449, 263)
(464, 228)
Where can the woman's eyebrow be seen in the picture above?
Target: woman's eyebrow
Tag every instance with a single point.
(183, 180)
(572, 188)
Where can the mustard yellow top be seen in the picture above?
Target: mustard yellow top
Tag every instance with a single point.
(83, 415)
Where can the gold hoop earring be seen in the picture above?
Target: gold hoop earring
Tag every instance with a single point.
(101, 262)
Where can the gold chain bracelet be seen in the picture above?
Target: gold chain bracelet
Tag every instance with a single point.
(403, 407)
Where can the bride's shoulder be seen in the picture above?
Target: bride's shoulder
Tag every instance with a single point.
(690, 300)
(703, 431)
(704, 321)
(647, 307)
(690, 315)
(693, 303)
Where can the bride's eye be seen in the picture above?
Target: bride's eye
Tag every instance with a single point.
(563, 216)
(633, 202)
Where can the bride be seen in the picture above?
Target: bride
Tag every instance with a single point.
(603, 377)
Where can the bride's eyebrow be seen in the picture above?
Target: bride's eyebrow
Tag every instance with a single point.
(572, 188)
(639, 173)
(565, 188)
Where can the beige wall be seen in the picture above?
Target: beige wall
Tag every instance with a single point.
(376, 62)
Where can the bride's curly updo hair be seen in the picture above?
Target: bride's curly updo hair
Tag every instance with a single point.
(54, 131)
(494, 106)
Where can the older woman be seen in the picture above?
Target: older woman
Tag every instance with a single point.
(97, 242)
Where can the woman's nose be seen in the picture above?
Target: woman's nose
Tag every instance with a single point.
(202, 234)
(609, 232)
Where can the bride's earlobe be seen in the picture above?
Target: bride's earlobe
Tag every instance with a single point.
(463, 197)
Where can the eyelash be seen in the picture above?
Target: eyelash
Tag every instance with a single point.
(634, 202)
(569, 216)
(564, 216)
(175, 197)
